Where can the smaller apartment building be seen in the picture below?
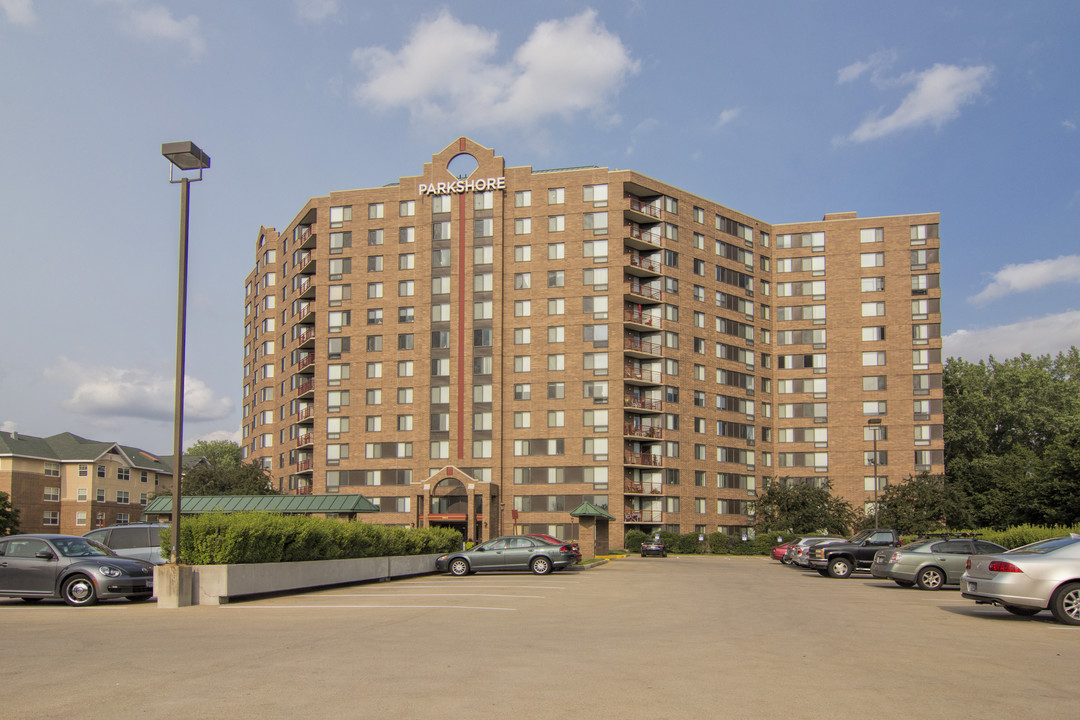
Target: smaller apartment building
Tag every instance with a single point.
(68, 484)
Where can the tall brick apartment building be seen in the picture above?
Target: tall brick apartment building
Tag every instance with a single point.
(487, 344)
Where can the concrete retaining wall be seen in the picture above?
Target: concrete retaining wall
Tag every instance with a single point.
(216, 584)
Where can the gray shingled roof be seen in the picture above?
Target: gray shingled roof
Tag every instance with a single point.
(67, 447)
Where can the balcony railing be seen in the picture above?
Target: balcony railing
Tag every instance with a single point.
(640, 318)
(649, 237)
(307, 412)
(643, 516)
(640, 261)
(641, 345)
(306, 335)
(305, 439)
(303, 490)
(305, 465)
(652, 432)
(305, 361)
(632, 372)
(633, 458)
(643, 208)
(305, 387)
(636, 288)
(638, 402)
(638, 487)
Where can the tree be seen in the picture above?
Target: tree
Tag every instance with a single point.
(801, 508)
(9, 516)
(921, 504)
(227, 473)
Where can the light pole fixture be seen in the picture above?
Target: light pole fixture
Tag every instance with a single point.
(183, 156)
(875, 423)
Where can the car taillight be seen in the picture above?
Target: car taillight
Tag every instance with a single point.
(896, 557)
(566, 549)
(1002, 566)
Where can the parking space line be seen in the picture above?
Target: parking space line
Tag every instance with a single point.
(382, 595)
(365, 607)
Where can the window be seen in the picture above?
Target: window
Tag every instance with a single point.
(872, 235)
(101, 471)
(483, 227)
(406, 288)
(52, 494)
(522, 281)
(595, 277)
(556, 306)
(522, 308)
(873, 309)
(51, 517)
(483, 282)
(523, 198)
(522, 391)
(522, 226)
(873, 284)
(340, 215)
(873, 358)
(406, 314)
(407, 208)
(556, 362)
(873, 334)
(556, 418)
(522, 253)
(484, 200)
(375, 211)
(483, 255)
(874, 382)
(557, 251)
(406, 235)
(375, 237)
(874, 407)
(556, 278)
(556, 223)
(440, 204)
(522, 363)
(556, 196)
(522, 419)
(375, 316)
(84, 470)
(868, 260)
(557, 334)
(122, 497)
(99, 495)
(597, 222)
(80, 495)
(594, 193)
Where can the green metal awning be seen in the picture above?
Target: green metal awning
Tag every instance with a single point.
(284, 504)
(587, 509)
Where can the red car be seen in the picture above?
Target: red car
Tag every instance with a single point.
(779, 551)
(557, 541)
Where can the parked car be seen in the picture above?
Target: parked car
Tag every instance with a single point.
(1041, 576)
(930, 563)
(141, 541)
(75, 569)
(557, 541)
(839, 560)
(653, 547)
(780, 553)
(800, 550)
(513, 552)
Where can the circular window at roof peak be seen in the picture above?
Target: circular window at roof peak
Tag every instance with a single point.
(462, 166)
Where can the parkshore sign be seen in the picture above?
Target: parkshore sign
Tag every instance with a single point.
(463, 186)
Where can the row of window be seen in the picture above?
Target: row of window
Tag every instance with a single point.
(51, 518)
(52, 469)
(52, 494)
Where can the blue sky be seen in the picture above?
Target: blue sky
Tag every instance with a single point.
(782, 110)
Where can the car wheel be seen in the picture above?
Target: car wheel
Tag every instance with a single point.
(785, 561)
(903, 583)
(839, 568)
(459, 567)
(1065, 604)
(78, 590)
(1022, 611)
(541, 565)
(930, 578)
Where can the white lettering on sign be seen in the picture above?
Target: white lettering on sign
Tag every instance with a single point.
(463, 186)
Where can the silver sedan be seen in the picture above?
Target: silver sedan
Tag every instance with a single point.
(1025, 581)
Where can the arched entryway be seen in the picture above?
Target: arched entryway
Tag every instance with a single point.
(450, 498)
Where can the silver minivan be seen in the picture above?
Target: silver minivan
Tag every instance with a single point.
(141, 541)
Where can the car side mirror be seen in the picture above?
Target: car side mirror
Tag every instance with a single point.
(45, 555)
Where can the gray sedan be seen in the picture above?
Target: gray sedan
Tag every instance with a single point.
(514, 552)
(77, 570)
(1040, 576)
(928, 563)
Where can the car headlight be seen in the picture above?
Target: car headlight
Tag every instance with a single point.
(109, 571)
(442, 558)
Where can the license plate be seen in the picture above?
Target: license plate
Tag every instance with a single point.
(972, 587)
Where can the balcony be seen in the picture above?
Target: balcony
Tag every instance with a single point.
(306, 439)
(305, 362)
(305, 466)
(633, 291)
(305, 288)
(637, 375)
(306, 241)
(306, 263)
(643, 516)
(634, 316)
(305, 314)
(637, 487)
(637, 430)
(640, 347)
(305, 413)
(643, 459)
(641, 211)
(638, 264)
(645, 404)
(637, 237)
(303, 489)
(307, 338)
(306, 389)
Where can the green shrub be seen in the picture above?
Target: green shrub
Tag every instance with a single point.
(218, 539)
(633, 539)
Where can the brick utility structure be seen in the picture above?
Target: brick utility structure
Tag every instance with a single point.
(490, 347)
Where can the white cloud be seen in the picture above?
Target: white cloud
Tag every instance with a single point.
(877, 63)
(1068, 124)
(315, 11)
(154, 23)
(1025, 277)
(1047, 335)
(119, 392)
(9, 426)
(19, 12)
(727, 116)
(235, 436)
(447, 71)
(936, 98)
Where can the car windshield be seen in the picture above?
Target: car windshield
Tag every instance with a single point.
(82, 547)
(1046, 546)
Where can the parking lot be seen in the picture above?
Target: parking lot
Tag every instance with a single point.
(652, 638)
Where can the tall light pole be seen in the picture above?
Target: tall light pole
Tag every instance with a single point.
(183, 156)
(875, 423)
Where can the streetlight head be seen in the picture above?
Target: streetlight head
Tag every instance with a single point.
(185, 155)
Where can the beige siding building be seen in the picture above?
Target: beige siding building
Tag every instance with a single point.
(488, 347)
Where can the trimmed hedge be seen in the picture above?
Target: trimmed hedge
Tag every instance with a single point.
(252, 537)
